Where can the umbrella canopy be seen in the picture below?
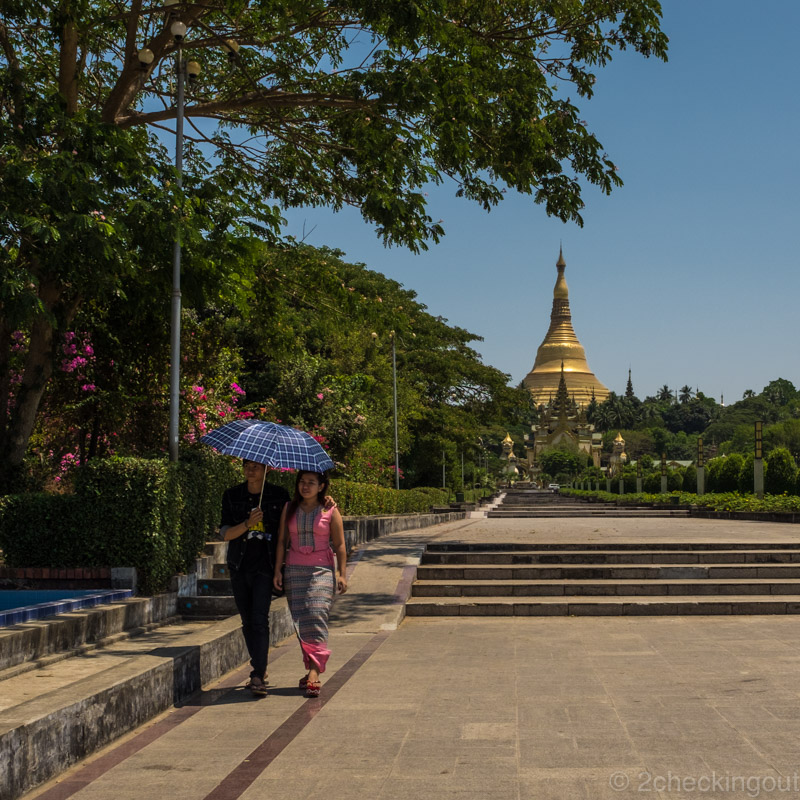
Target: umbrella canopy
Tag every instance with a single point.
(270, 444)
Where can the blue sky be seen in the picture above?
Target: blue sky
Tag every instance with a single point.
(688, 274)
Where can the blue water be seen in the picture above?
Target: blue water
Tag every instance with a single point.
(23, 597)
(17, 606)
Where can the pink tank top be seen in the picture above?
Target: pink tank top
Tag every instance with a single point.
(321, 554)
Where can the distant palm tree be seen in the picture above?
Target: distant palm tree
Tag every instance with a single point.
(664, 394)
(648, 412)
(748, 393)
(602, 417)
(685, 394)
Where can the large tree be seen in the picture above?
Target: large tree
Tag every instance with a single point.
(301, 102)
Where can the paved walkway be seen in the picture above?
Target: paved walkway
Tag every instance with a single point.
(506, 708)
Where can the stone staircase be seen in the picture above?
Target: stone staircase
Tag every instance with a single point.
(664, 578)
(534, 503)
(214, 598)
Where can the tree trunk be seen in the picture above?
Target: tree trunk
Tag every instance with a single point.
(38, 369)
(39, 361)
(68, 66)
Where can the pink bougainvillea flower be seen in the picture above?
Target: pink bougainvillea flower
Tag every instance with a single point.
(320, 396)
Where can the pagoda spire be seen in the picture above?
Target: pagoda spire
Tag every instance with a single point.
(629, 387)
(562, 352)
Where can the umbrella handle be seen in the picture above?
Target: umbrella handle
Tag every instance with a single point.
(263, 481)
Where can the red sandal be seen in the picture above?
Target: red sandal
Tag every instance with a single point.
(312, 688)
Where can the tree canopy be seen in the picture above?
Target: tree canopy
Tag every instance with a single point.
(299, 103)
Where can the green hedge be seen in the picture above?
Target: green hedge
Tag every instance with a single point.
(361, 499)
(723, 501)
(153, 515)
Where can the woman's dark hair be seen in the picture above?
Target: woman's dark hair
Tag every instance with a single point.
(324, 482)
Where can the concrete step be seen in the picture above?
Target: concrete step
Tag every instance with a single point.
(220, 571)
(217, 550)
(603, 606)
(206, 608)
(221, 586)
(24, 645)
(504, 572)
(544, 588)
(613, 557)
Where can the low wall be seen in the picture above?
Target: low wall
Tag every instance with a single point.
(358, 530)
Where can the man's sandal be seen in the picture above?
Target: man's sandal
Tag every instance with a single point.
(257, 687)
(301, 684)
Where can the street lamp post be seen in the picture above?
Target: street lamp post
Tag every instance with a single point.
(178, 30)
(182, 70)
(394, 394)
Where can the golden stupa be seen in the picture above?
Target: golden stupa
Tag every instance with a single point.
(561, 349)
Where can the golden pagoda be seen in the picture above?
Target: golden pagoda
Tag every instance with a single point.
(561, 349)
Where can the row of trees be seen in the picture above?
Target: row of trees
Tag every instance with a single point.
(671, 423)
(666, 423)
(311, 347)
(733, 473)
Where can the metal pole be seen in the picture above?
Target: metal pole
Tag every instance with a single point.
(394, 390)
(175, 339)
(462, 470)
(444, 477)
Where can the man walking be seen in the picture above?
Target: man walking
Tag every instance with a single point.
(251, 512)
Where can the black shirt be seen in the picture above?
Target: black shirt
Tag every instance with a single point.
(253, 555)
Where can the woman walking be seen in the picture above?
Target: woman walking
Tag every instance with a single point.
(308, 536)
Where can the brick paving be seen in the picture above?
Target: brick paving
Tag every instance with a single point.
(518, 708)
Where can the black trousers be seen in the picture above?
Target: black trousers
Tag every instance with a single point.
(252, 592)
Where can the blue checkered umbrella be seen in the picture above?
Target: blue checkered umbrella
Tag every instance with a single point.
(270, 444)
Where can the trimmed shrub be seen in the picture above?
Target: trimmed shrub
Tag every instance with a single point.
(712, 474)
(361, 499)
(651, 483)
(135, 508)
(675, 479)
(729, 472)
(746, 476)
(690, 479)
(36, 531)
(780, 472)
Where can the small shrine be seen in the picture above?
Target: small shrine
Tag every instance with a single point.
(563, 421)
(510, 469)
(618, 457)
